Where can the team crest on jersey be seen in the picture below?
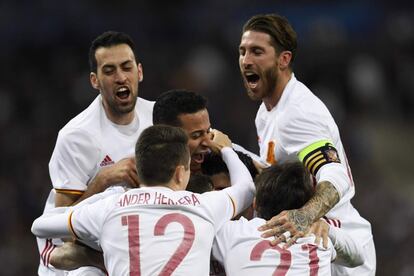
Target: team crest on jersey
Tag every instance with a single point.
(332, 155)
(106, 161)
(323, 154)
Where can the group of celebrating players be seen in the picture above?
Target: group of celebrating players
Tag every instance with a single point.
(149, 188)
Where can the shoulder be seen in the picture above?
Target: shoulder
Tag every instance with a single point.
(144, 105)
(88, 121)
(303, 105)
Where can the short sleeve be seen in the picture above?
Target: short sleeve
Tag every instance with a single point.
(74, 160)
(300, 128)
(307, 135)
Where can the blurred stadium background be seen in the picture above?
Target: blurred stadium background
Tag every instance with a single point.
(357, 56)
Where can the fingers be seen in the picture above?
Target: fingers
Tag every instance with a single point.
(277, 220)
(220, 139)
(284, 232)
(317, 239)
(292, 240)
(320, 229)
(282, 238)
(133, 179)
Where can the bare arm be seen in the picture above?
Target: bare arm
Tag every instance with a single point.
(72, 255)
(242, 187)
(298, 221)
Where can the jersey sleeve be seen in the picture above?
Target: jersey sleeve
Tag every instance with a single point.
(224, 238)
(52, 224)
(307, 136)
(242, 189)
(73, 161)
(86, 222)
(348, 252)
(231, 201)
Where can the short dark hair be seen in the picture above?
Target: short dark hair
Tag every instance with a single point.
(214, 164)
(283, 36)
(159, 150)
(169, 105)
(200, 183)
(108, 39)
(282, 187)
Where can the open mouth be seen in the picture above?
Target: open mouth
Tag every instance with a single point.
(198, 158)
(252, 79)
(123, 93)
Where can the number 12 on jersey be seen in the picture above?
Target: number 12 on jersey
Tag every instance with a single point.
(132, 221)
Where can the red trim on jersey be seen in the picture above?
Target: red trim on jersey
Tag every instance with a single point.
(47, 246)
(49, 253)
(334, 222)
(70, 226)
(69, 192)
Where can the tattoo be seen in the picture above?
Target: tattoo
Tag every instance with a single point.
(300, 219)
(325, 197)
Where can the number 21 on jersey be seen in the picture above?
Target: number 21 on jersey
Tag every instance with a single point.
(286, 257)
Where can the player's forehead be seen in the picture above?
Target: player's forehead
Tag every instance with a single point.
(193, 122)
(253, 38)
(114, 55)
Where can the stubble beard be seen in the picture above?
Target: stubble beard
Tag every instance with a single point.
(269, 81)
(119, 109)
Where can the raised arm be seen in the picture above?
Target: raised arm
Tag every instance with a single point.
(242, 188)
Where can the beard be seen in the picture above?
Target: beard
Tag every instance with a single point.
(268, 81)
(118, 109)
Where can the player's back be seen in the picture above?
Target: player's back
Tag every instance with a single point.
(149, 231)
(239, 246)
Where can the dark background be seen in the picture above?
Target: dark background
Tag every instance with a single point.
(357, 56)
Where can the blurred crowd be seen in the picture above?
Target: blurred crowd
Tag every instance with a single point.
(357, 56)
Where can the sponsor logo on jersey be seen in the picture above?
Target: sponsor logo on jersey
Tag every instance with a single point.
(106, 161)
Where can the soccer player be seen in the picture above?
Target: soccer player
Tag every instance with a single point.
(293, 124)
(158, 229)
(200, 183)
(95, 149)
(187, 110)
(242, 250)
(215, 167)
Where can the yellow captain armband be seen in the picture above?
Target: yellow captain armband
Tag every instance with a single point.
(318, 154)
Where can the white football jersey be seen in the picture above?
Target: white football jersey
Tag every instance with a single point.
(240, 248)
(154, 230)
(300, 127)
(85, 145)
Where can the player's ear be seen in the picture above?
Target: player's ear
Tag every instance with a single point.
(284, 59)
(94, 80)
(179, 174)
(140, 72)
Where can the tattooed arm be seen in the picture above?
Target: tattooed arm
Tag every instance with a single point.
(298, 221)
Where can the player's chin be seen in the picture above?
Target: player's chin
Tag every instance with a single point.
(253, 95)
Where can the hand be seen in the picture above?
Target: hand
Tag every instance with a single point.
(321, 230)
(293, 221)
(218, 141)
(122, 171)
(72, 255)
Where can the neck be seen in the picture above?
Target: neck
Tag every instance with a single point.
(273, 99)
(119, 119)
(170, 185)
